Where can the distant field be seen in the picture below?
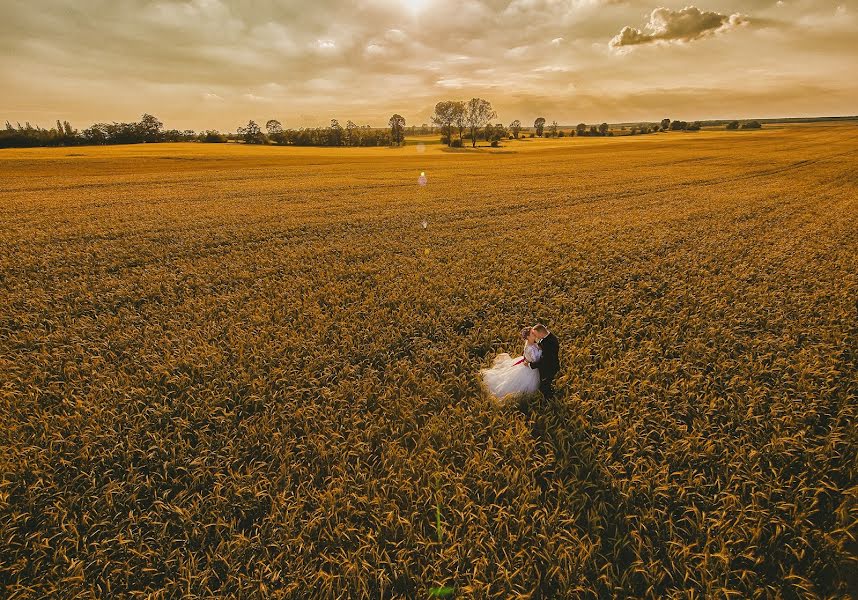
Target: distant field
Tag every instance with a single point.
(241, 371)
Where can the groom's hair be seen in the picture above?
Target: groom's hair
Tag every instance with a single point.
(540, 328)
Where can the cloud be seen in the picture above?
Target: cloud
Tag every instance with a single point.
(216, 63)
(680, 26)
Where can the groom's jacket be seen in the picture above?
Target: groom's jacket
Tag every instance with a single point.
(549, 364)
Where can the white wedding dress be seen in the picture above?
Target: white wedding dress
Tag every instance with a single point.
(505, 377)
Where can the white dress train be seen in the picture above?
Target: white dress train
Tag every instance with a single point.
(505, 377)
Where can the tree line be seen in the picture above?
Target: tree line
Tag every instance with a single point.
(334, 135)
(148, 129)
(457, 121)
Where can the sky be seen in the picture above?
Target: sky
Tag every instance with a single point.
(215, 64)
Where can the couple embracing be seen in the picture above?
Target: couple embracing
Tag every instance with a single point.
(535, 370)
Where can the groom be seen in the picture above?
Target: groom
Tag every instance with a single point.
(549, 364)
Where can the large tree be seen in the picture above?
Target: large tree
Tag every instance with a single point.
(478, 114)
(603, 129)
(443, 117)
(539, 124)
(397, 129)
(150, 128)
(515, 128)
(460, 114)
(665, 124)
(251, 133)
(275, 131)
(581, 129)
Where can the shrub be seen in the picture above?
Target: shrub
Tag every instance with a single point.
(457, 143)
(213, 137)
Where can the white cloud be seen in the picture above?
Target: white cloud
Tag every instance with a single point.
(685, 25)
(552, 69)
(516, 52)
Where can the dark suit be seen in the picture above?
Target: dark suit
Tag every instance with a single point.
(548, 365)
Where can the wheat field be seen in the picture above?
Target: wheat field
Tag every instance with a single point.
(251, 372)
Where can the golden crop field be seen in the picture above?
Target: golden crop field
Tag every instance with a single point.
(251, 372)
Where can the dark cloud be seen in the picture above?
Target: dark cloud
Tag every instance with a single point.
(685, 25)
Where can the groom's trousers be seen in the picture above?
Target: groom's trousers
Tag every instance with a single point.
(546, 384)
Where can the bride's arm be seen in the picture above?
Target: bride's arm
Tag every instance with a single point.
(532, 353)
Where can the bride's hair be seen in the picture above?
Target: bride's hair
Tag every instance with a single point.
(525, 332)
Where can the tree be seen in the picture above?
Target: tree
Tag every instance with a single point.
(478, 113)
(251, 133)
(539, 124)
(335, 134)
(460, 117)
(733, 125)
(694, 126)
(603, 129)
(397, 129)
(751, 125)
(150, 128)
(350, 133)
(443, 117)
(96, 134)
(553, 128)
(581, 129)
(665, 124)
(275, 131)
(515, 128)
(212, 137)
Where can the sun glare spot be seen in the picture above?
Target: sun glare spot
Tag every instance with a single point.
(416, 6)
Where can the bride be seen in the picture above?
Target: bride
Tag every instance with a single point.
(510, 375)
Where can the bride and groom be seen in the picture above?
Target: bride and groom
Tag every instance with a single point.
(535, 370)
